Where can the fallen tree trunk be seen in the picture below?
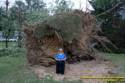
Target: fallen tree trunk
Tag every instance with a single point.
(74, 31)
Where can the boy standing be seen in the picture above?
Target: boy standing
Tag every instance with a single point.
(60, 61)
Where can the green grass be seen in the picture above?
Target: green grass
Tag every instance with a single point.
(13, 69)
(10, 44)
(119, 60)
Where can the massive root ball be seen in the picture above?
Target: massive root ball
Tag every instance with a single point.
(75, 32)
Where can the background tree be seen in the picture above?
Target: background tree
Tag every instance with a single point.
(35, 5)
(6, 24)
(108, 13)
(18, 12)
(2, 15)
(7, 29)
(62, 6)
(37, 11)
(38, 5)
(28, 2)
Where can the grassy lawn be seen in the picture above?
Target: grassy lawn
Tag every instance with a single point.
(13, 69)
(118, 59)
(10, 44)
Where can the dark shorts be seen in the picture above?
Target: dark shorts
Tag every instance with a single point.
(60, 67)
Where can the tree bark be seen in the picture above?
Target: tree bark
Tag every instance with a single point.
(19, 39)
(6, 42)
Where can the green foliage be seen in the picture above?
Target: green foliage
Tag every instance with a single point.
(36, 16)
(18, 12)
(112, 24)
(2, 15)
(62, 6)
(35, 5)
(103, 5)
(6, 24)
(38, 5)
(21, 5)
(36, 11)
(7, 27)
(69, 26)
(13, 19)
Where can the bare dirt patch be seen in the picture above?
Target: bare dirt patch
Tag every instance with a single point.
(75, 71)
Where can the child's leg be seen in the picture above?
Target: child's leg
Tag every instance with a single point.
(57, 67)
(62, 67)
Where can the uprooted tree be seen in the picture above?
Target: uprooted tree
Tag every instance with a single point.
(75, 32)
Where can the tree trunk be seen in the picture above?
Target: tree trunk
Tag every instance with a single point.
(19, 39)
(6, 41)
(7, 38)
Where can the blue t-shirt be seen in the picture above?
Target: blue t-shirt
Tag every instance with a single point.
(60, 56)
